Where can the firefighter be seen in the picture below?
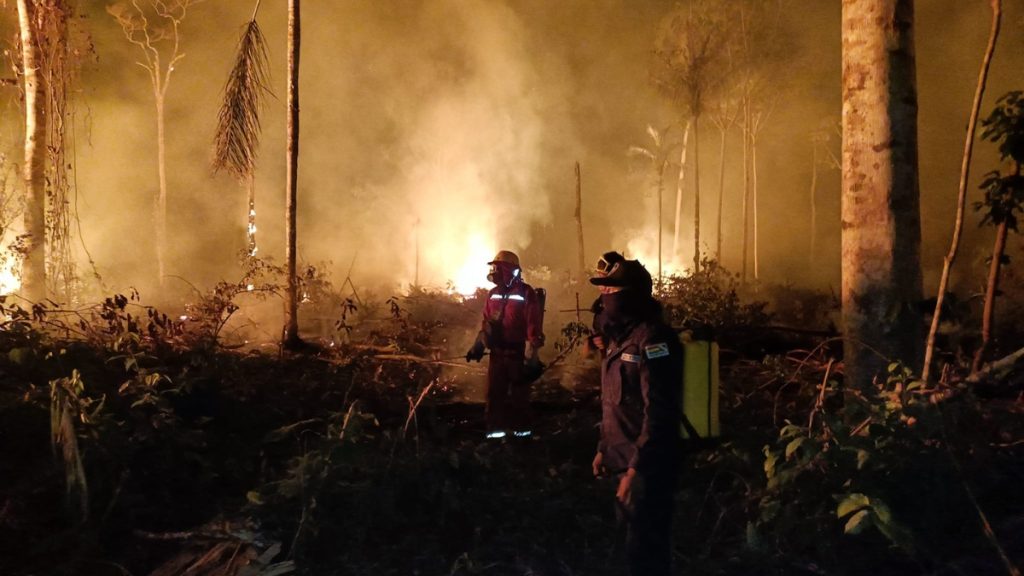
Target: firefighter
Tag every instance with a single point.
(603, 267)
(513, 332)
(641, 379)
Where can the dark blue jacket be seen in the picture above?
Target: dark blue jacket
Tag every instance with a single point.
(641, 384)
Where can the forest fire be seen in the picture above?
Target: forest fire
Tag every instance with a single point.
(467, 270)
(9, 280)
(346, 396)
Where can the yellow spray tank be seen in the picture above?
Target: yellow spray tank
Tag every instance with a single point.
(700, 386)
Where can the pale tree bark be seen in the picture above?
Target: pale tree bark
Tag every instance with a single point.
(33, 270)
(753, 188)
(965, 167)
(758, 120)
(148, 37)
(721, 192)
(814, 202)
(881, 226)
(991, 286)
(746, 186)
(696, 194)
(661, 193)
(579, 220)
(160, 215)
(291, 312)
(680, 185)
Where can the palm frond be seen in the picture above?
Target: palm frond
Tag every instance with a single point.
(64, 438)
(638, 151)
(238, 123)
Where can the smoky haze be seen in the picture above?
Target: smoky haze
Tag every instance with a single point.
(449, 129)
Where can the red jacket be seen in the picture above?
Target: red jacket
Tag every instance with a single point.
(512, 317)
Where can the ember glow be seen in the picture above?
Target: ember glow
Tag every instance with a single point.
(457, 260)
(472, 272)
(10, 261)
(644, 247)
(9, 280)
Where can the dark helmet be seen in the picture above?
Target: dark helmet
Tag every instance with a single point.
(607, 260)
(628, 274)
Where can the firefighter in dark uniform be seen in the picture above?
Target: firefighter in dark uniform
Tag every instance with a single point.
(641, 381)
(512, 331)
(604, 266)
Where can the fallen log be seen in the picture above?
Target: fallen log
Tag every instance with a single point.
(421, 360)
(997, 368)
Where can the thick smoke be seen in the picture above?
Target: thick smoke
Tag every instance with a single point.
(441, 131)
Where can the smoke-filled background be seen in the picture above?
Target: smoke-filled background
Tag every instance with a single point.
(450, 129)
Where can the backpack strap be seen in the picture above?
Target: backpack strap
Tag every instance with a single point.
(690, 430)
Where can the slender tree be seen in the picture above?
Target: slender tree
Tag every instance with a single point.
(821, 155)
(160, 44)
(680, 186)
(965, 167)
(815, 144)
(658, 156)
(724, 118)
(758, 118)
(578, 215)
(758, 51)
(291, 311)
(881, 227)
(690, 70)
(236, 142)
(1004, 200)
(33, 271)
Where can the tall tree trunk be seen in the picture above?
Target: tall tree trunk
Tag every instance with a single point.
(33, 270)
(965, 167)
(661, 191)
(416, 269)
(881, 226)
(990, 294)
(753, 186)
(579, 220)
(680, 184)
(161, 201)
(814, 203)
(721, 196)
(746, 186)
(696, 194)
(291, 312)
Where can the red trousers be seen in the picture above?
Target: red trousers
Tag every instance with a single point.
(508, 395)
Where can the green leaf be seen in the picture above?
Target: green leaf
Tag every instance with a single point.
(882, 512)
(851, 503)
(770, 458)
(20, 355)
(857, 522)
(789, 431)
(254, 497)
(753, 538)
(453, 459)
(770, 509)
(862, 458)
(793, 446)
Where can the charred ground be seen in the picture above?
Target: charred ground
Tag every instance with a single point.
(137, 443)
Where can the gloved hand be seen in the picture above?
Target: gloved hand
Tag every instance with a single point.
(598, 465)
(532, 370)
(476, 352)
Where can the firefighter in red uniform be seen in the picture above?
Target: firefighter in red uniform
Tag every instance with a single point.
(512, 331)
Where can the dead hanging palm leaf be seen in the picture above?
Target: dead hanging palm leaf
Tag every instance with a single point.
(64, 404)
(238, 123)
